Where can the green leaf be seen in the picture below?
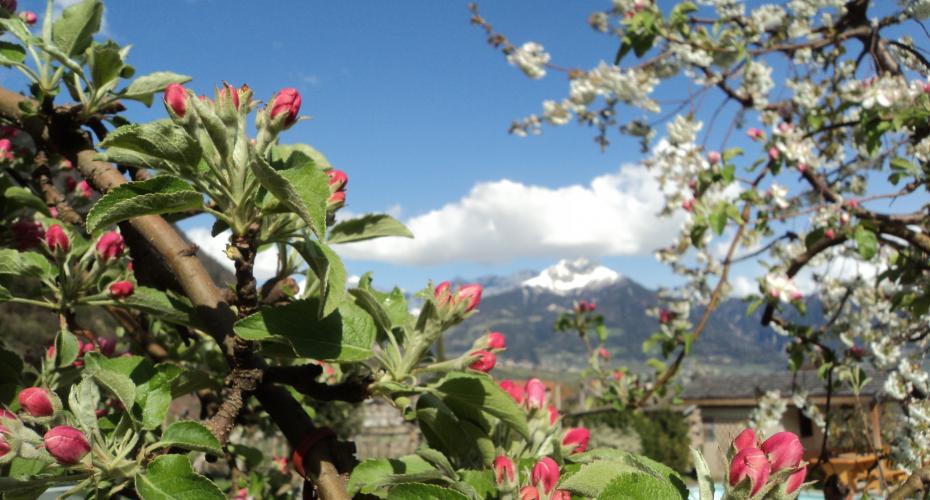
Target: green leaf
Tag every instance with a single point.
(292, 155)
(705, 480)
(162, 145)
(117, 383)
(30, 264)
(328, 268)
(718, 218)
(367, 227)
(142, 88)
(74, 30)
(605, 466)
(639, 486)
(373, 469)
(421, 491)
(25, 198)
(159, 195)
(153, 397)
(302, 190)
(344, 336)
(67, 348)
(866, 242)
(190, 435)
(105, 63)
(367, 301)
(171, 477)
(11, 53)
(83, 401)
(460, 439)
(170, 308)
(464, 392)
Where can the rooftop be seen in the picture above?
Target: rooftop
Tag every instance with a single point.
(751, 387)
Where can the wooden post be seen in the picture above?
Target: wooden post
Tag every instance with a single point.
(875, 412)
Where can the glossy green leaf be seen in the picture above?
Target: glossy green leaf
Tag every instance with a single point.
(464, 392)
(82, 401)
(373, 469)
(24, 198)
(29, 264)
(105, 63)
(345, 335)
(170, 308)
(74, 30)
(142, 88)
(171, 477)
(159, 195)
(190, 435)
(866, 242)
(304, 191)
(328, 268)
(421, 491)
(640, 486)
(11, 53)
(367, 227)
(67, 348)
(119, 384)
(162, 145)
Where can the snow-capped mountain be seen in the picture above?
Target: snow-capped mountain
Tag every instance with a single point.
(572, 275)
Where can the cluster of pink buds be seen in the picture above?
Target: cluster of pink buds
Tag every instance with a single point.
(756, 462)
(338, 180)
(110, 246)
(461, 301)
(57, 240)
(544, 477)
(576, 439)
(531, 396)
(584, 306)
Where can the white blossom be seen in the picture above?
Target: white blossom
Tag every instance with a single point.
(531, 58)
(556, 113)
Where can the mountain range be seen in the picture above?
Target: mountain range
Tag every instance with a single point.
(524, 307)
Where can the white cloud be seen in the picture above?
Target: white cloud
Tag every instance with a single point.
(616, 214)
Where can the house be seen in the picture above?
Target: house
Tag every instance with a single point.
(721, 406)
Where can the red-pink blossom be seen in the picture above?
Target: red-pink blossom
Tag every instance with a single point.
(546, 474)
(603, 353)
(713, 157)
(6, 149)
(576, 439)
(485, 362)
(755, 134)
(688, 204)
(119, 290)
(665, 316)
(784, 450)
(553, 414)
(27, 233)
(84, 190)
(107, 346)
(529, 493)
(110, 245)
(286, 101)
(773, 153)
(515, 390)
(36, 402)
(750, 463)
(830, 234)
(336, 200)
(496, 340)
(7, 414)
(504, 471)
(67, 444)
(471, 295)
(4, 446)
(228, 91)
(56, 239)
(535, 393)
(443, 293)
(338, 180)
(795, 480)
(176, 99)
(29, 17)
(746, 439)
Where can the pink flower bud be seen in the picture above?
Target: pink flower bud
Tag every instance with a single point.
(576, 439)
(665, 316)
(750, 463)
(784, 450)
(70, 184)
(785, 127)
(485, 362)
(617, 375)
(7, 414)
(553, 414)
(4, 446)
(67, 444)
(8, 5)
(927, 88)
(796, 480)
(529, 493)
(29, 17)
(337, 180)
(853, 203)
(755, 134)
(443, 293)
(546, 474)
(27, 233)
(54, 212)
(829, 234)
(110, 246)
(119, 290)
(6, 149)
(688, 204)
(515, 390)
(536, 393)
(84, 190)
(603, 353)
(844, 218)
(226, 92)
(56, 239)
(802, 167)
(856, 352)
(471, 294)
(176, 99)
(495, 340)
(86, 347)
(561, 495)
(503, 470)
(336, 200)
(746, 439)
(773, 153)
(36, 402)
(286, 101)
(107, 346)
(714, 157)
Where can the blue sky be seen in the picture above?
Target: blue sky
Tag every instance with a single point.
(410, 101)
